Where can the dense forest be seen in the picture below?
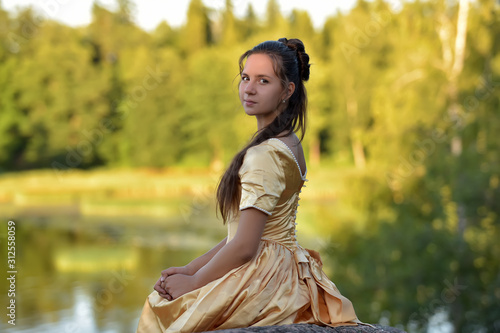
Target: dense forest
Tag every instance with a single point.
(404, 103)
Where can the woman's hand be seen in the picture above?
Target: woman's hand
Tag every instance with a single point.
(178, 285)
(160, 284)
(176, 270)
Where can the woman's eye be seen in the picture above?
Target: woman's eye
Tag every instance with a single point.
(245, 78)
(263, 81)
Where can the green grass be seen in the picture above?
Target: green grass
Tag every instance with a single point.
(176, 194)
(108, 192)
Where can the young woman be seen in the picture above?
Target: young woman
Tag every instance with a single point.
(258, 275)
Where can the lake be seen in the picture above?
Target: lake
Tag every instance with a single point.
(92, 274)
(88, 275)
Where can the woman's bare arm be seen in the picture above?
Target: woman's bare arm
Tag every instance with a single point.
(241, 249)
(201, 261)
(190, 268)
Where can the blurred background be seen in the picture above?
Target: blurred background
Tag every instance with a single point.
(114, 133)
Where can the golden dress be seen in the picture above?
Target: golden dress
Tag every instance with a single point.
(283, 284)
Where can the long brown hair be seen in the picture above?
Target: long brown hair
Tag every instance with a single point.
(291, 64)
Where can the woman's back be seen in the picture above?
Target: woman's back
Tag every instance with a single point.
(272, 180)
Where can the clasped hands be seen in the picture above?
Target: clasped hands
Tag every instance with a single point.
(175, 282)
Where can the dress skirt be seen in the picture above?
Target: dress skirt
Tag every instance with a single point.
(258, 293)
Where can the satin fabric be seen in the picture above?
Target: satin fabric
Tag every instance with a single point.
(282, 284)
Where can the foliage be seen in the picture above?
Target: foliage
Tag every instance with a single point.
(417, 211)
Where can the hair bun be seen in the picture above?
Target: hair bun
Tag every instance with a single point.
(302, 57)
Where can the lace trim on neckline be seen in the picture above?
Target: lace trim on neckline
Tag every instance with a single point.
(303, 176)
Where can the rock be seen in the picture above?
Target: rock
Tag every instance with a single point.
(309, 328)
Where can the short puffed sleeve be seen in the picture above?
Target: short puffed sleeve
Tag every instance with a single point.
(262, 178)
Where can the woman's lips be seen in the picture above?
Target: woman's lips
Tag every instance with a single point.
(249, 102)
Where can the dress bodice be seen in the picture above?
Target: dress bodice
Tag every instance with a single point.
(271, 181)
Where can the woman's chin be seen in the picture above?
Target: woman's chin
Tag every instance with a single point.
(250, 112)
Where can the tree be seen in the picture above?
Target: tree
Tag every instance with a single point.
(210, 122)
(250, 24)
(197, 33)
(231, 32)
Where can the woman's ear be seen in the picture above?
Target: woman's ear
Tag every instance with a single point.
(290, 89)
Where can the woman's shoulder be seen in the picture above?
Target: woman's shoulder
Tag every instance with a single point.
(272, 150)
(280, 152)
(269, 147)
(263, 152)
(272, 156)
(264, 162)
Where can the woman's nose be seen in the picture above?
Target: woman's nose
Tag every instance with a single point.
(249, 88)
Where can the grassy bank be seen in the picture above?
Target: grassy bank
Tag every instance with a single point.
(105, 192)
(180, 194)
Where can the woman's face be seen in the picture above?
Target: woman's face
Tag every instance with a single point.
(261, 92)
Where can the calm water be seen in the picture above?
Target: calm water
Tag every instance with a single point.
(93, 275)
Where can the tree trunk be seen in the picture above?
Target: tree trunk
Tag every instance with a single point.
(358, 150)
(454, 69)
(314, 151)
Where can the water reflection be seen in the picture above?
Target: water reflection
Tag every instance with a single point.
(88, 274)
(93, 275)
